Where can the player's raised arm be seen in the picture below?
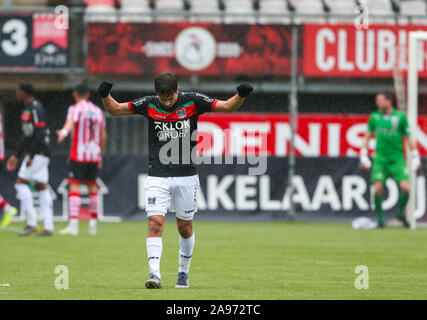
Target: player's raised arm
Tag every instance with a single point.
(112, 106)
(235, 101)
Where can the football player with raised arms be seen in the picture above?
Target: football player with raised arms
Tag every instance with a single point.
(173, 117)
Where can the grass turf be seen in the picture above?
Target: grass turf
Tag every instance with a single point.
(231, 261)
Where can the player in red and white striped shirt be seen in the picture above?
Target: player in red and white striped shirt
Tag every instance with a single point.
(86, 121)
(8, 211)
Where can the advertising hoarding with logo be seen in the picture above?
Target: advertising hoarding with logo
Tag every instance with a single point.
(344, 51)
(185, 48)
(33, 41)
(318, 135)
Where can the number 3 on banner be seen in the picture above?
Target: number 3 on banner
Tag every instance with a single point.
(18, 42)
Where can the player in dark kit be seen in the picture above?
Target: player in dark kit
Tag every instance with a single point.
(35, 147)
(172, 176)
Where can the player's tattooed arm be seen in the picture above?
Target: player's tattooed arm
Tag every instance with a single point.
(235, 101)
(111, 105)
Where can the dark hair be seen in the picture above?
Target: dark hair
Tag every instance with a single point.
(27, 88)
(165, 83)
(81, 89)
(389, 96)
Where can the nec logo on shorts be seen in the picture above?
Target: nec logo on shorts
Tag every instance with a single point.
(151, 200)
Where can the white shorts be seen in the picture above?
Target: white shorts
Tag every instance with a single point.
(174, 194)
(37, 172)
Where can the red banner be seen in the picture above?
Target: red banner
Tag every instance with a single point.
(330, 135)
(184, 48)
(344, 51)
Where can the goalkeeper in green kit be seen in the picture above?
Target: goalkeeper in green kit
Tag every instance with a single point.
(390, 127)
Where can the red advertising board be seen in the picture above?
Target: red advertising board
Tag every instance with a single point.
(344, 51)
(185, 48)
(329, 135)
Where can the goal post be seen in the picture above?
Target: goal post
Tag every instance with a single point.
(415, 37)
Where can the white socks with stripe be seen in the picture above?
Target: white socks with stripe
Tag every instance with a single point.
(93, 205)
(154, 254)
(26, 198)
(186, 247)
(45, 199)
(74, 203)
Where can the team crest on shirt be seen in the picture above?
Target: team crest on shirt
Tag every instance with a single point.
(26, 116)
(181, 113)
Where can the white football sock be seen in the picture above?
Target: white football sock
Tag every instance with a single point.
(46, 207)
(185, 253)
(26, 197)
(74, 202)
(93, 223)
(74, 223)
(154, 254)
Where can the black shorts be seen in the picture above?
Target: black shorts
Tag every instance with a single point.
(80, 172)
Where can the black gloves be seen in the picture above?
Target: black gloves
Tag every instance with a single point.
(104, 89)
(244, 89)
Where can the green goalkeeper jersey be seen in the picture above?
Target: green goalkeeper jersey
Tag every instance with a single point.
(389, 131)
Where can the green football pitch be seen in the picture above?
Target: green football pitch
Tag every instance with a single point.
(231, 260)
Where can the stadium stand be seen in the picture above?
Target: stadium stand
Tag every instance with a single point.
(274, 11)
(242, 11)
(253, 11)
(165, 10)
(343, 7)
(413, 11)
(380, 11)
(135, 11)
(100, 10)
(205, 10)
(309, 7)
(339, 10)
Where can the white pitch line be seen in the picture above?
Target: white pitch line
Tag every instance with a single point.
(4, 285)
